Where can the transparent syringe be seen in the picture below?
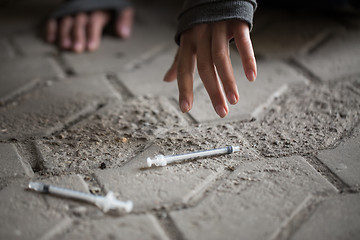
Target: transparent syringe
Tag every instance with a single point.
(106, 203)
(161, 160)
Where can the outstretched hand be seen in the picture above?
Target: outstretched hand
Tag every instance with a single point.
(84, 30)
(208, 46)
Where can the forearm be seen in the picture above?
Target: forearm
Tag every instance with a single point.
(207, 11)
(74, 6)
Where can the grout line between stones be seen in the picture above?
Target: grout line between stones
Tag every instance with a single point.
(29, 152)
(302, 213)
(24, 163)
(67, 69)
(119, 86)
(59, 228)
(208, 186)
(169, 226)
(85, 113)
(61, 73)
(303, 70)
(9, 48)
(320, 41)
(325, 171)
(148, 56)
(187, 116)
(10, 98)
(16, 49)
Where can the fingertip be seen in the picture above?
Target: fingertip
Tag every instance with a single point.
(250, 75)
(185, 106)
(221, 110)
(232, 98)
(78, 47)
(124, 23)
(92, 46)
(123, 31)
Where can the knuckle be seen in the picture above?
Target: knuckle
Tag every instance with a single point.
(205, 69)
(220, 54)
(250, 60)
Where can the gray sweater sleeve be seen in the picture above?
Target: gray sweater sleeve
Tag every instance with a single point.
(207, 11)
(74, 6)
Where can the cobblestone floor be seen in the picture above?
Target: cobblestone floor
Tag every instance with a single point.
(89, 121)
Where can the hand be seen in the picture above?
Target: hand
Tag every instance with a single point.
(208, 45)
(84, 30)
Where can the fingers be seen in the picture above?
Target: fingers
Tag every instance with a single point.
(244, 46)
(221, 57)
(97, 21)
(66, 25)
(79, 32)
(51, 28)
(124, 23)
(172, 72)
(208, 75)
(185, 75)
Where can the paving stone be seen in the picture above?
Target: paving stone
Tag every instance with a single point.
(286, 33)
(273, 79)
(115, 54)
(336, 58)
(335, 218)
(24, 214)
(11, 163)
(49, 107)
(253, 201)
(127, 227)
(18, 75)
(150, 74)
(344, 159)
(6, 51)
(158, 187)
(175, 184)
(110, 137)
(306, 119)
(32, 45)
(74, 182)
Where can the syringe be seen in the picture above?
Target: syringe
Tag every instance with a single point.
(161, 160)
(109, 202)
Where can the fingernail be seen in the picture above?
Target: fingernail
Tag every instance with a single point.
(221, 111)
(250, 76)
(184, 106)
(125, 31)
(91, 45)
(78, 47)
(232, 98)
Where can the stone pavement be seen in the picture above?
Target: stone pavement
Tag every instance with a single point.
(89, 121)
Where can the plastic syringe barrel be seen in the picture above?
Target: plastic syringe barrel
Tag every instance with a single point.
(161, 160)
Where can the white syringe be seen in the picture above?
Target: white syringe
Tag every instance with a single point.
(161, 160)
(109, 202)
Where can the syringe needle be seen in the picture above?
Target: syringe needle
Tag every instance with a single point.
(161, 160)
(109, 202)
